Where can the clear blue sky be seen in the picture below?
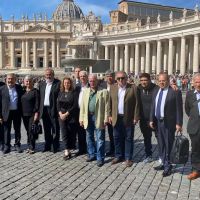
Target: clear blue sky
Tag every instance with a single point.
(99, 7)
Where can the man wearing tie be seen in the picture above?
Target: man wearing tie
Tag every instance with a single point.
(167, 117)
(77, 76)
(192, 109)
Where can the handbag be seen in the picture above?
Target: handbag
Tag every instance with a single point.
(180, 149)
(36, 129)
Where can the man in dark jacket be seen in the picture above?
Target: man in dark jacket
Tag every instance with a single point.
(145, 91)
(10, 112)
(192, 109)
(49, 90)
(1, 128)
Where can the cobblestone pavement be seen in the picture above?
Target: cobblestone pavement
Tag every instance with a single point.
(48, 176)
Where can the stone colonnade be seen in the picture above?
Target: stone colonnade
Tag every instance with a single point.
(29, 53)
(180, 54)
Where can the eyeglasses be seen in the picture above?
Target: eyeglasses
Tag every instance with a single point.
(120, 78)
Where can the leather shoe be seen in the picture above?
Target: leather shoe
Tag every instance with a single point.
(90, 159)
(167, 172)
(193, 175)
(159, 167)
(100, 163)
(46, 149)
(1, 147)
(5, 151)
(129, 163)
(18, 149)
(116, 160)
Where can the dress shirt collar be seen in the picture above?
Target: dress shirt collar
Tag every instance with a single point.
(122, 88)
(196, 92)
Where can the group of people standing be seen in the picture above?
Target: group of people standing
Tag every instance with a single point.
(86, 109)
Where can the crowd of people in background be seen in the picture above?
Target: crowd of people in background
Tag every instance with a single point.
(83, 108)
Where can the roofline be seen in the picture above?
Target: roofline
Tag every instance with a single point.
(152, 4)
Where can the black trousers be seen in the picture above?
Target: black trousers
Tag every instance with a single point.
(147, 134)
(68, 132)
(14, 117)
(28, 121)
(111, 138)
(165, 142)
(51, 130)
(195, 155)
(81, 138)
(1, 135)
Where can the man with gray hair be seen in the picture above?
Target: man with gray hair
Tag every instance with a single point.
(94, 117)
(192, 109)
(10, 111)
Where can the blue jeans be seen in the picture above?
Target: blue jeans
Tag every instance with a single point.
(123, 139)
(99, 147)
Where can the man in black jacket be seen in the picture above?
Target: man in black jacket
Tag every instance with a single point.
(1, 127)
(167, 117)
(145, 91)
(10, 111)
(192, 109)
(49, 90)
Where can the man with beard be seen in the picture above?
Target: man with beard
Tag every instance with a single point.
(145, 91)
(49, 90)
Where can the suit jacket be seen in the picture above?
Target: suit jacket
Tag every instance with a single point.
(52, 98)
(131, 105)
(101, 108)
(192, 111)
(173, 109)
(5, 101)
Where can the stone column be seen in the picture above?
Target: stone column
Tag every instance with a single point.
(183, 60)
(121, 59)
(132, 58)
(112, 57)
(116, 57)
(27, 54)
(1, 54)
(137, 60)
(178, 52)
(23, 63)
(170, 57)
(196, 54)
(12, 54)
(147, 63)
(35, 54)
(106, 52)
(159, 57)
(165, 56)
(142, 61)
(190, 55)
(153, 63)
(53, 53)
(58, 53)
(126, 55)
(46, 54)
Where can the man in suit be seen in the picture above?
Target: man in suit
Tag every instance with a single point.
(145, 91)
(124, 114)
(110, 80)
(192, 109)
(49, 90)
(10, 112)
(80, 87)
(94, 117)
(1, 127)
(167, 117)
(77, 76)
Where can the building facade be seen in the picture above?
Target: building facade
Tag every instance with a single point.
(133, 43)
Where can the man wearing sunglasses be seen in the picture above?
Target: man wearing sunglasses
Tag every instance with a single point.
(124, 114)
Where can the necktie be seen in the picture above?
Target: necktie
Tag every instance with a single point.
(158, 113)
(198, 97)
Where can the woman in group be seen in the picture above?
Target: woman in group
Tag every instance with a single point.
(30, 107)
(67, 104)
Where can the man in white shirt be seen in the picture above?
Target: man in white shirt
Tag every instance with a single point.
(167, 117)
(124, 114)
(49, 90)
